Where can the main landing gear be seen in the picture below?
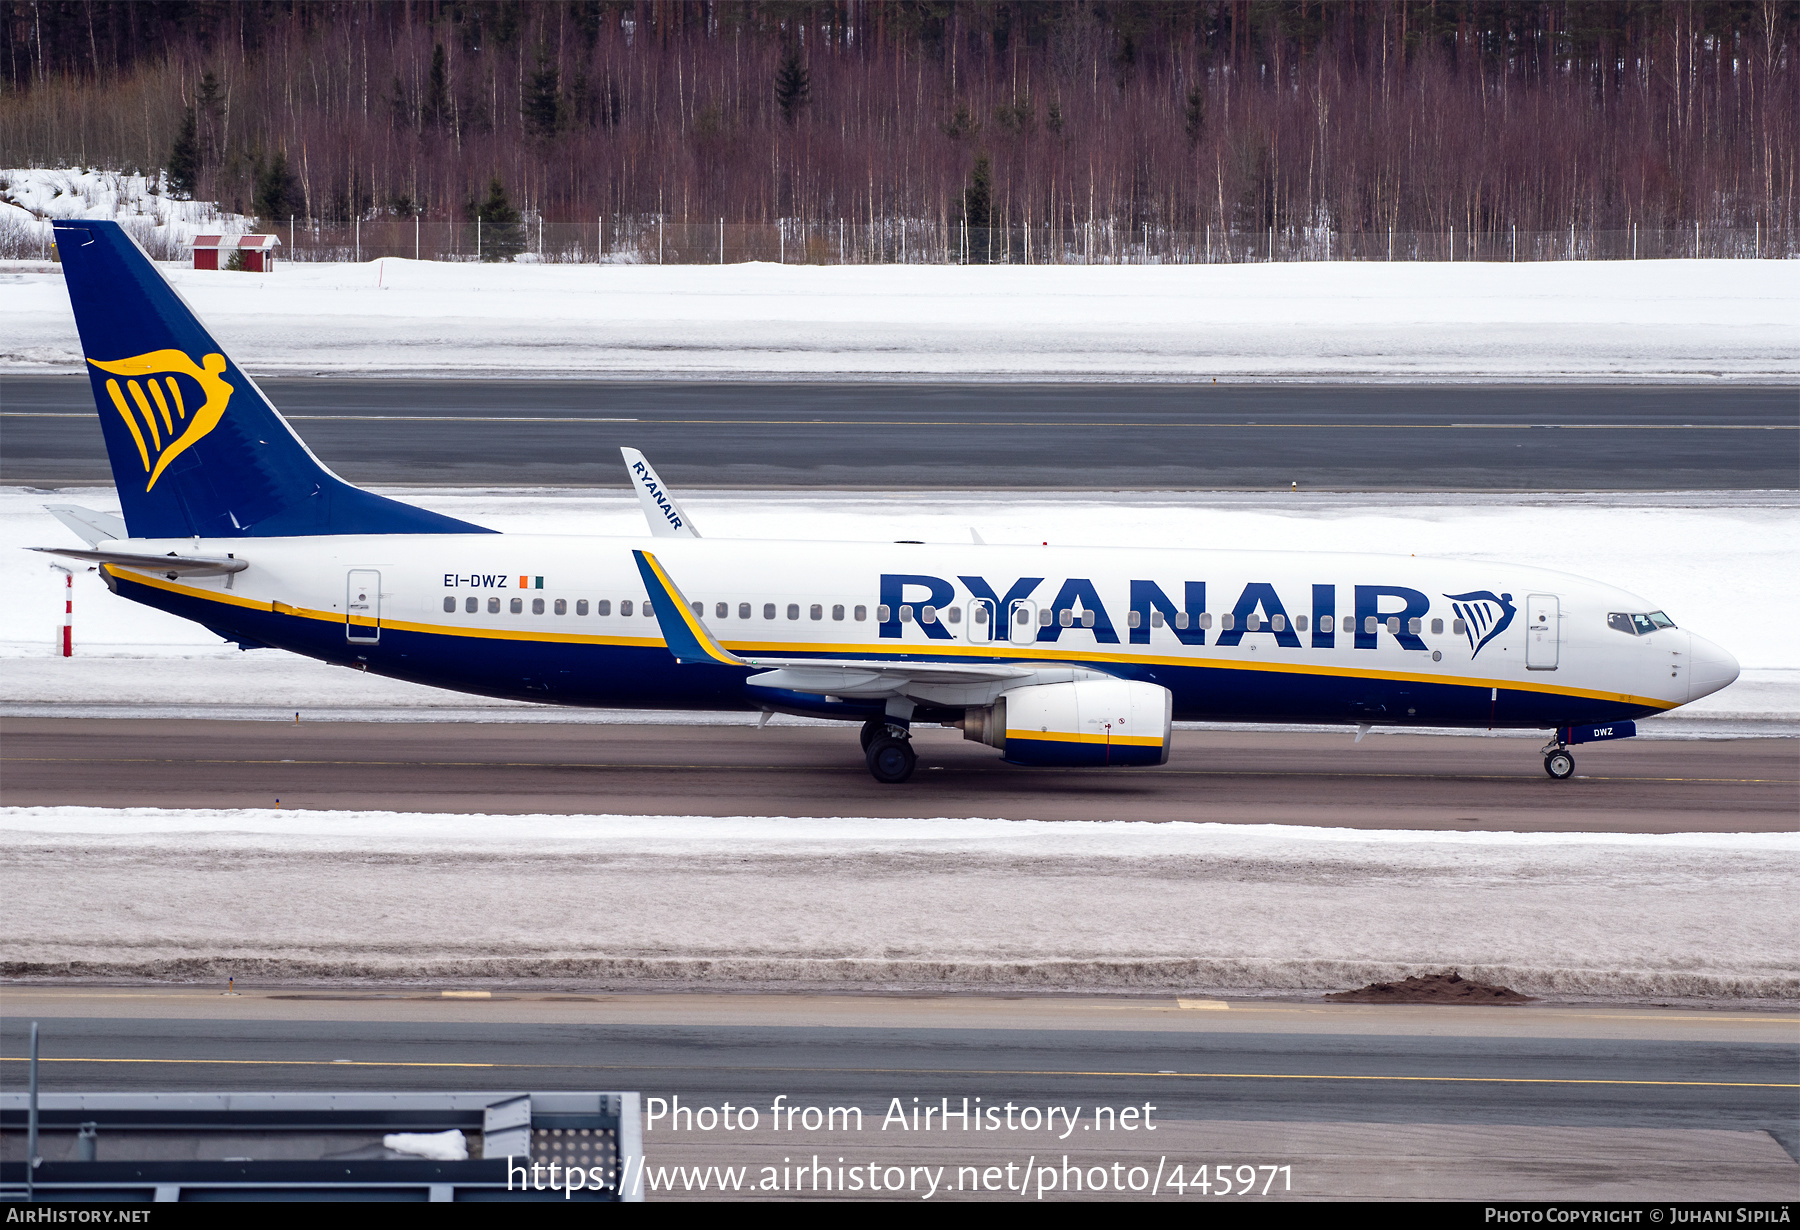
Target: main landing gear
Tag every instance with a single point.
(888, 748)
(1558, 763)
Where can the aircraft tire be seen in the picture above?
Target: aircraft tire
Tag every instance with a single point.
(870, 730)
(891, 760)
(1559, 765)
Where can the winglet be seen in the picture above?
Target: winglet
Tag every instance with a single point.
(667, 518)
(686, 636)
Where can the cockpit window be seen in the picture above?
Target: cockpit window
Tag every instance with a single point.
(1638, 625)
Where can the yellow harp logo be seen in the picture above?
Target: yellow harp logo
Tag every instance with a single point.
(158, 415)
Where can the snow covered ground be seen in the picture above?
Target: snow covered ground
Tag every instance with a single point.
(1679, 550)
(1584, 320)
(929, 904)
(31, 197)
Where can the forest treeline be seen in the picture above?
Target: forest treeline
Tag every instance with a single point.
(1353, 115)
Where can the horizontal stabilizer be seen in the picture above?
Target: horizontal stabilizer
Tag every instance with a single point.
(170, 565)
(91, 527)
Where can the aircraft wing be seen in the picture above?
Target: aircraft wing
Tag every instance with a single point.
(691, 641)
(170, 565)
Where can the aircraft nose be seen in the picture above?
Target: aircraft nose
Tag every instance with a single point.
(1711, 668)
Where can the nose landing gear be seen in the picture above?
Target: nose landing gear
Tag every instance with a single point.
(1558, 763)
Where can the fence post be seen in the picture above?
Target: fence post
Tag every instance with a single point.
(721, 241)
(478, 238)
(290, 236)
(540, 234)
(1515, 241)
(840, 241)
(1453, 241)
(1757, 251)
(1696, 239)
(359, 241)
(659, 240)
(415, 236)
(780, 242)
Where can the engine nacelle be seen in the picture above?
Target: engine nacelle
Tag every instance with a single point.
(1087, 724)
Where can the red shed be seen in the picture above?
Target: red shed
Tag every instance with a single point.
(212, 251)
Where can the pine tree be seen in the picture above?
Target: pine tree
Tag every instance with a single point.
(978, 210)
(543, 107)
(277, 191)
(1196, 114)
(184, 157)
(502, 238)
(211, 102)
(437, 90)
(792, 86)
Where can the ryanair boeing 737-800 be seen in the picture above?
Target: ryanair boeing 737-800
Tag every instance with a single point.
(1053, 655)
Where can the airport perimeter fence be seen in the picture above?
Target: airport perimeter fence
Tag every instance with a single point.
(642, 240)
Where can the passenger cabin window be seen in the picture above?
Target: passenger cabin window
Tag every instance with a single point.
(1414, 625)
(743, 610)
(954, 615)
(537, 606)
(793, 610)
(1156, 618)
(1459, 626)
(768, 610)
(721, 610)
(816, 612)
(1228, 621)
(603, 607)
(562, 606)
(1087, 619)
(882, 612)
(906, 614)
(581, 606)
(450, 605)
(927, 614)
(1252, 621)
(1437, 626)
(1182, 618)
(1299, 623)
(862, 613)
(1278, 622)
(649, 611)
(1206, 620)
(1134, 620)
(625, 607)
(493, 606)
(1326, 623)
(517, 605)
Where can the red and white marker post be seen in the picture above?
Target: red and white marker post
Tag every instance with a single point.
(68, 631)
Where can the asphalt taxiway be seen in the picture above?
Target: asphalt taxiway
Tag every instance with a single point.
(980, 436)
(1522, 1102)
(1453, 783)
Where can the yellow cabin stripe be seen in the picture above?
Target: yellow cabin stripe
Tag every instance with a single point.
(1027, 654)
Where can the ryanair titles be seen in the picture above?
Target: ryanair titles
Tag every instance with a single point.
(1028, 612)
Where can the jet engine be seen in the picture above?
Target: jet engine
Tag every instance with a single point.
(1090, 723)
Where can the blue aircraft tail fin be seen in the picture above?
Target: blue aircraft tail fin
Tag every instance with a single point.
(196, 449)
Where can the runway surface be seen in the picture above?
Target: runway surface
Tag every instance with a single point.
(1387, 781)
(1627, 1098)
(947, 436)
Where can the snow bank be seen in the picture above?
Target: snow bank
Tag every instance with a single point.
(1679, 550)
(894, 904)
(30, 198)
(1584, 320)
